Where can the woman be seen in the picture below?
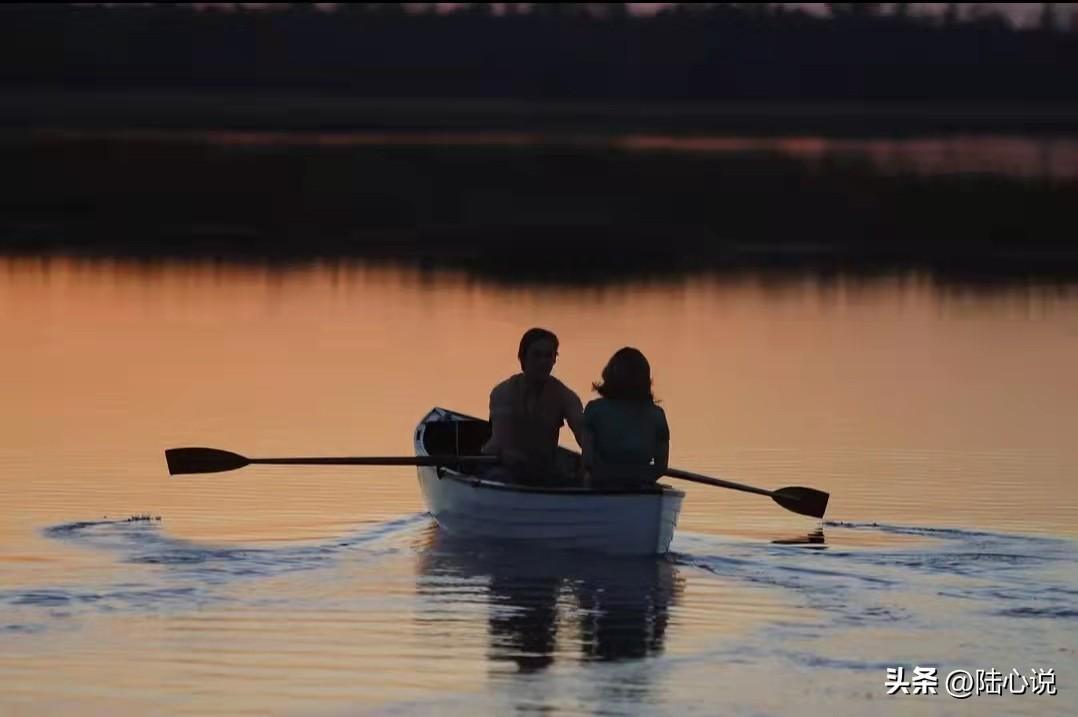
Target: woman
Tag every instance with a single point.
(630, 439)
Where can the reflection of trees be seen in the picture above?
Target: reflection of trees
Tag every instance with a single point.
(564, 212)
(619, 605)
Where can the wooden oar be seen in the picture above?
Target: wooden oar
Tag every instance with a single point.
(806, 501)
(213, 460)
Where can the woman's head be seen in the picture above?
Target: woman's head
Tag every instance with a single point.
(538, 352)
(627, 376)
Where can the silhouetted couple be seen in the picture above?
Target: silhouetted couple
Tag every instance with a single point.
(623, 435)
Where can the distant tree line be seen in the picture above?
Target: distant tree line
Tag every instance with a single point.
(689, 51)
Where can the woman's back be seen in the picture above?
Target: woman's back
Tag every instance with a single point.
(628, 435)
(626, 432)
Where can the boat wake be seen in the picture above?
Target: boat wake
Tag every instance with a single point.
(139, 541)
(973, 565)
(169, 574)
(966, 598)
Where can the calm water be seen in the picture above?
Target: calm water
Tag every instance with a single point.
(941, 419)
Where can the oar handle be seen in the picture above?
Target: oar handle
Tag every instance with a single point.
(708, 480)
(378, 460)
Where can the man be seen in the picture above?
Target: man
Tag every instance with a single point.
(527, 411)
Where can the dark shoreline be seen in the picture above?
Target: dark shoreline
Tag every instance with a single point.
(30, 109)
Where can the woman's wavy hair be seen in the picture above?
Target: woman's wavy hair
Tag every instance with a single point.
(627, 376)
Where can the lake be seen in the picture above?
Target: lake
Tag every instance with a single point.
(939, 416)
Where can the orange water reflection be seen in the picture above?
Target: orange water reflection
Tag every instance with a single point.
(909, 403)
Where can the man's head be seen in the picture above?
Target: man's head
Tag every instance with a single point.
(537, 353)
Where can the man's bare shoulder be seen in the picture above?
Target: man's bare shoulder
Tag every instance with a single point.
(567, 394)
(505, 388)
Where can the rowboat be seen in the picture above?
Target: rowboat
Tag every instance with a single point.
(470, 502)
(467, 503)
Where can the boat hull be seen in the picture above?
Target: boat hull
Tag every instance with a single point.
(624, 523)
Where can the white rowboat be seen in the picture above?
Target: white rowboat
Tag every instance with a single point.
(465, 504)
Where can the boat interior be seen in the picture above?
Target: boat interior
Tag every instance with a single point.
(456, 437)
(465, 436)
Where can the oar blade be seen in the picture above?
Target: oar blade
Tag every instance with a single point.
(202, 460)
(806, 501)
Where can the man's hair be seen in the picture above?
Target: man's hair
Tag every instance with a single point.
(530, 337)
(627, 376)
